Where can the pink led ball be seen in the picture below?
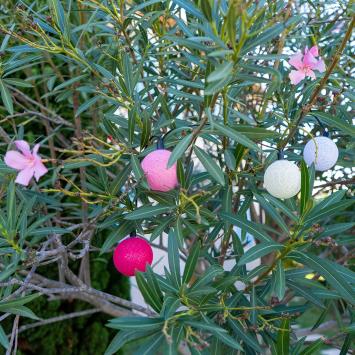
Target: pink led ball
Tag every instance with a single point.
(131, 255)
(155, 167)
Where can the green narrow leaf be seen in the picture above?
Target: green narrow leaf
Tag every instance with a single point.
(18, 82)
(146, 129)
(268, 34)
(239, 153)
(191, 262)
(131, 124)
(22, 311)
(328, 211)
(246, 225)
(171, 304)
(179, 149)
(166, 283)
(6, 98)
(312, 176)
(124, 228)
(206, 9)
(272, 212)
(121, 338)
(335, 229)
(135, 323)
(259, 250)
(227, 199)
(147, 293)
(69, 82)
(327, 270)
(181, 173)
(322, 316)
(17, 302)
(228, 340)
(210, 165)
(120, 180)
(236, 136)
(283, 338)
(254, 304)
(296, 349)
(230, 159)
(221, 72)
(154, 285)
(305, 188)
(336, 122)
(11, 207)
(208, 326)
(217, 331)
(328, 201)
(179, 232)
(128, 73)
(148, 211)
(151, 345)
(174, 258)
(161, 227)
(307, 294)
(138, 172)
(212, 272)
(280, 282)
(313, 348)
(346, 345)
(4, 341)
(59, 16)
(280, 205)
(190, 8)
(245, 335)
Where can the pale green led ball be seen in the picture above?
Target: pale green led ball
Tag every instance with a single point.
(282, 179)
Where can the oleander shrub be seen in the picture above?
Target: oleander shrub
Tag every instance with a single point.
(218, 132)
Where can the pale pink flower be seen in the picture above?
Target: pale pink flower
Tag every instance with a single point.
(305, 64)
(28, 163)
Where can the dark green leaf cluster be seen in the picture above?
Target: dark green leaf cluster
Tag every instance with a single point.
(97, 84)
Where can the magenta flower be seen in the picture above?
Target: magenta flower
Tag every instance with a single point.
(305, 64)
(28, 163)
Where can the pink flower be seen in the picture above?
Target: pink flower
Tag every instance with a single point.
(28, 163)
(305, 64)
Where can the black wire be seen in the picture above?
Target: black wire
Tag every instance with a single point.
(160, 143)
(280, 154)
(324, 129)
(161, 138)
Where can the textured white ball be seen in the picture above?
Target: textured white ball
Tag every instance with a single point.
(282, 179)
(324, 157)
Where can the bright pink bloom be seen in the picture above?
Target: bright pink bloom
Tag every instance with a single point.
(28, 163)
(305, 64)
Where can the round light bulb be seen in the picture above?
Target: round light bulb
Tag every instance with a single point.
(321, 151)
(282, 179)
(131, 255)
(155, 167)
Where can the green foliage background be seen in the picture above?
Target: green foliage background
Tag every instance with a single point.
(96, 83)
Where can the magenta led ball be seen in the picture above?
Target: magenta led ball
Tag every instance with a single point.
(131, 255)
(155, 167)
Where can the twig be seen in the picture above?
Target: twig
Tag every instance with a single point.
(58, 319)
(5, 136)
(13, 340)
(40, 115)
(337, 182)
(59, 119)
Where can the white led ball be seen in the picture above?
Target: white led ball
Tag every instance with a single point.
(324, 157)
(282, 179)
